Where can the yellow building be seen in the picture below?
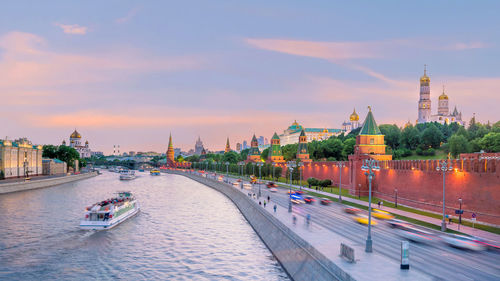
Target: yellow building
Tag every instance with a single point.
(20, 158)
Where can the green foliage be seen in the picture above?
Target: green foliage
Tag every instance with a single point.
(410, 137)
(63, 153)
(313, 181)
(290, 151)
(232, 157)
(490, 142)
(325, 183)
(264, 154)
(348, 149)
(49, 151)
(392, 135)
(179, 158)
(2, 175)
(432, 136)
(244, 154)
(458, 144)
(425, 152)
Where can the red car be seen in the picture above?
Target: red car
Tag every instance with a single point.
(309, 199)
(271, 184)
(299, 192)
(325, 201)
(352, 211)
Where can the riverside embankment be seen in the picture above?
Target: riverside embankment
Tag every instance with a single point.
(298, 257)
(42, 183)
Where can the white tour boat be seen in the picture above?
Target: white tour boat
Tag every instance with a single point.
(109, 213)
(127, 174)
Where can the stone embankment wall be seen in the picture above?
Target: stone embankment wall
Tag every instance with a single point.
(35, 184)
(300, 260)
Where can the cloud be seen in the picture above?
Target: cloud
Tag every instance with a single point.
(466, 46)
(27, 62)
(131, 14)
(72, 28)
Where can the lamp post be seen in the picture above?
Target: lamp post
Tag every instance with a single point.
(300, 165)
(460, 213)
(274, 165)
(445, 166)
(291, 165)
(369, 165)
(241, 163)
(396, 192)
(227, 171)
(260, 176)
(341, 165)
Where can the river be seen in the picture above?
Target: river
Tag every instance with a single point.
(185, 231)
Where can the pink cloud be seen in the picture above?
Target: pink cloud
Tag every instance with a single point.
(72, 28)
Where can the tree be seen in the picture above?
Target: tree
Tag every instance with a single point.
(68, 155)
(49, 151)
(290, 151)
(490, 142)
(392, 135)
(432, 137)
(312, 181)
(264, 154)
(231, 157)
(244, 154)
(348, 148)
(410, 137)
(458, 144)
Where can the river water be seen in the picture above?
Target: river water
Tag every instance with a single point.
(185, 231)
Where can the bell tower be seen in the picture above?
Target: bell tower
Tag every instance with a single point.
(424, 103)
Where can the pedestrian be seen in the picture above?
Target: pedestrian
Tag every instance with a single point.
(275, 208)
(379, 204)
(260, 203)
(382, 203)
(308, 219)
(316, 188)
(268, 198)
(264, 203)
(294, 218)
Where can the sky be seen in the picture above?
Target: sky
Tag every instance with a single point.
(129, 73)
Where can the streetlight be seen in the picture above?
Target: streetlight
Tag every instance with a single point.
(460, 213)
(241, 164)
(445, 166)
(341, 165)
(260, 176)
(227, 171)
(369, 165)
(300, 165)
(291, 165)
(274, 165)
(396, 201)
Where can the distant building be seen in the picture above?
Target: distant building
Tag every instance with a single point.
(254, 153)
(131, 153)
(302, 150)
(177, 152)
(443, 115)
(370, 141)
(261, 140)
(266, 141)
(54, 167)
(75, 142)
(20, 158)
(292, 133)
(352, 124)
(198, 147)
(238, 147)
(97, 153)
(275, 154)
(228, 147)
(245, 145)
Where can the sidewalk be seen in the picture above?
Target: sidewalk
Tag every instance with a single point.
(464, 229)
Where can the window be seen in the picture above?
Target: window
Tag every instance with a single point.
(372, 141)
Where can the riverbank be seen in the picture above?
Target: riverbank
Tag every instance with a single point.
(42, 183)
(308, 253)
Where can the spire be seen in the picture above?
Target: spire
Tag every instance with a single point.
(170, 141)
(425, 78)
(370, 126)
(425, 69)
(228, 147)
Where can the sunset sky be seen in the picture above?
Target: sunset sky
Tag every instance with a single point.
(131, 72)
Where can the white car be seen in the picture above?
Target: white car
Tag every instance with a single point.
(462, 242)
(415, 234)
(273, 189)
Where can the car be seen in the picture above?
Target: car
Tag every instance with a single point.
(271, 184)
(236, 183)
(301, 192)
(462, 242)
(238, 180)
(394, 223)
(297, 199)
(247, 186)
(415, 234)
(383, 215)
(489, 244)
(309, 199)
(352, 210)
(290, 192)
(363, 219)
(273, 189)
(325, 201)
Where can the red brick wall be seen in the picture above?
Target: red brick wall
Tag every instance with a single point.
(420, 185)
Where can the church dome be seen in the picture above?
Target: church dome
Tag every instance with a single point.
(75, 135)
(425, 78)
(295, 126)
(354, 116)
(86, 142)
(443, 96)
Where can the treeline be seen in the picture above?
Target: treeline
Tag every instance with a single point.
(424, 139)
(64, 153)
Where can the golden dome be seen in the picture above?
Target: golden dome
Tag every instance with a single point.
(443, 96)
(425, 78)
(354, 116)
(87, 142)
(75, 135)
(295, 123)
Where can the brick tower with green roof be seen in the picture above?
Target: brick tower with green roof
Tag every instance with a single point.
(302, 151)
(275, 154)
(370, 141)
(170, 153)
(254, 153)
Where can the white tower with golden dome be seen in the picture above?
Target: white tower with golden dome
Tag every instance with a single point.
(75, 141)
(443, 104)
(424, 103)
(353, 122)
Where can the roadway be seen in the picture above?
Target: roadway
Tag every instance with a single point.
(436, 258)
